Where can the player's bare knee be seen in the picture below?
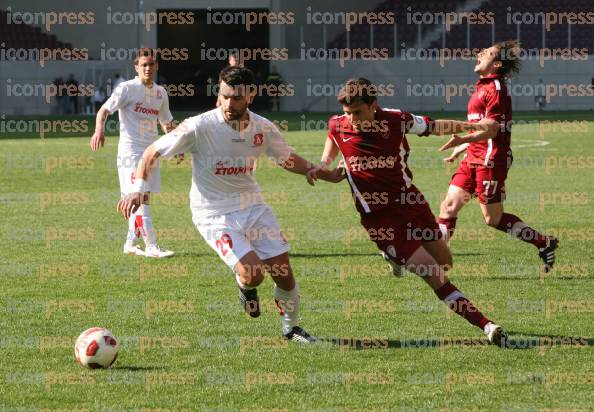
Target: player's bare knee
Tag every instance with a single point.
(251, 274)
(253, 278)
(449, 208)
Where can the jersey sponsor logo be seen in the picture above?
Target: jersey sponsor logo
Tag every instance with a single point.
(159, 94)
(221, 169)
(358, 163)
(139, 108)
(475, 116)
(346, 140)
(258, 139)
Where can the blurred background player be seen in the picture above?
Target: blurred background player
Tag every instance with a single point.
(233, 61)
(274, 79)
(393, 211)
(141, 104)
(226, 201)
(483, 170)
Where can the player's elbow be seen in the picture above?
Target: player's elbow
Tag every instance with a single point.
(102, 114)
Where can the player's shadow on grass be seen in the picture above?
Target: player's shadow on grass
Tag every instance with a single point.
(137, 368)
(421, 343)
(516, 341)
(552, 340)
(340, 254)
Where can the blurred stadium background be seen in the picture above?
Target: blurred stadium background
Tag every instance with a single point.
(307, 43)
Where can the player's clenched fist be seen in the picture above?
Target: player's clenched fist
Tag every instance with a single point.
(130, 204)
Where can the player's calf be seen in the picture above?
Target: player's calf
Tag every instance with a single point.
(249, 274)
(440, 252)
(286, 296)
(455, 200)
(450, 294)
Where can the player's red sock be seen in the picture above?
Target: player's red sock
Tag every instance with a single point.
(447, 227)
(514, 226)
(456, 301)
(138, 226)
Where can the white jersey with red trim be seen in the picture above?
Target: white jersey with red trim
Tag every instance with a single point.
(224, 161)
(140, 109)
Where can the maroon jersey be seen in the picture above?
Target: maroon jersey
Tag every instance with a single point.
(491, 101)
(375, 160)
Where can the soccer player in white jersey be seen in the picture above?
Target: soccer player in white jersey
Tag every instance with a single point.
(225, 199)
(141, 104)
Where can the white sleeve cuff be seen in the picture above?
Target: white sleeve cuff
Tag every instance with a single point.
(419, 125)
(140, 186)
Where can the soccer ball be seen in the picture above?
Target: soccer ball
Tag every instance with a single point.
(96, 348)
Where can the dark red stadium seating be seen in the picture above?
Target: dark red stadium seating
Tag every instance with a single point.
(27, 37)
(481, 35)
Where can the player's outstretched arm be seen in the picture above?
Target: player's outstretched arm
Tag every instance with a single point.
(486, 129)
(444, 126)
(98, 138)
(328, 156)
(458, 150)
(297, 164)
(130, 204)
(180, 140)
(167, 128)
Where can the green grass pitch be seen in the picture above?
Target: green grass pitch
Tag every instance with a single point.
(185, 345)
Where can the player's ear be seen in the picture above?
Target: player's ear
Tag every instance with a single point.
(251, 95)
(374, 105)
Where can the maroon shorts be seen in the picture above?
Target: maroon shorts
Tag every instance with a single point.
(399, 230)
(486, 183)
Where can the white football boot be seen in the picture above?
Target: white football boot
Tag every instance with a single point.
(496, 335)
(396, 269)
(155, 251)
(133, 249)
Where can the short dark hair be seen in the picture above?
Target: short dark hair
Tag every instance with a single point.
(509, 56)
(237, 76)
(358, 90)
(145, 52)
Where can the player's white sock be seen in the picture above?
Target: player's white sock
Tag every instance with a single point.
(241, 284)
(133, 229)
(148, 230)
(288, 304)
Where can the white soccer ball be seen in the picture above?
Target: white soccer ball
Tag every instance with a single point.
(96, 348)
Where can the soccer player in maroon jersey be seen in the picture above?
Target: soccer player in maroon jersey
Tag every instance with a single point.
(394, 212)
(484, 168)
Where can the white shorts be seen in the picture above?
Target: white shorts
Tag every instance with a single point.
(127, 173)
(235, 234)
